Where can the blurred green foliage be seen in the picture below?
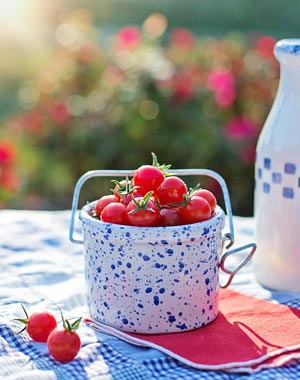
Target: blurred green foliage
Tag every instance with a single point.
(107, 103)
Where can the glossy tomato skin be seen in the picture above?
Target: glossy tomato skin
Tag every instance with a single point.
(171, 190)
(148, 178)
(209, 196)
(63, 345)
(104, 201)
(169, 217)
(143, 217)
(40, 325)
(114, 213)
(126, 199)
(196, 210)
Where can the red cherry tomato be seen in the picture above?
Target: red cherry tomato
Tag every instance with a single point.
(126, 199)
(171, 190)
(209, 196)
(148, 178)
(196, 210)
(143, 215)
(64, 344)
(169, 217)
(114, 213)
(38, 325)
(104, 201)
(124, 191)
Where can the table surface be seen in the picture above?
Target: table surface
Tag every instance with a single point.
(42, 269)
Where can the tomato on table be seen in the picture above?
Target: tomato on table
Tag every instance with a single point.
(64, 344)
(38, 325)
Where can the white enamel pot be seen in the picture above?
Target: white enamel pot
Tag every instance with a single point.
(155, 279)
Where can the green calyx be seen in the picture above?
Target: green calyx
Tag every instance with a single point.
(162, 167)
(186, 197)
(23, 320)
(124, 188)
(143, 203)
(193, 189)
(68, 326)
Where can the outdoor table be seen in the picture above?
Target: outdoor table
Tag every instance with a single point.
(42, 270)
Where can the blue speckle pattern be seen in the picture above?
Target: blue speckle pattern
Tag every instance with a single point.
(274, 176)
(152, 280)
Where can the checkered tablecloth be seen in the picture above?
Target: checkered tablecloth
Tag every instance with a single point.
(41, 269)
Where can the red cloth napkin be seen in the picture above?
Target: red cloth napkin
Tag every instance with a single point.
(249, 334)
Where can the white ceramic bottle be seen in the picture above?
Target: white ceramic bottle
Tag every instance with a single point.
(277, 179)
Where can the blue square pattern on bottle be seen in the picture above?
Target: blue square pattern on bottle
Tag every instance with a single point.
(276, 177)
(289, 168)
(288, 192)
(266, 187)
(267, 163)
(259, 173)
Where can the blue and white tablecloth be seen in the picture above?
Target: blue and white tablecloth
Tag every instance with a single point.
(43, 270)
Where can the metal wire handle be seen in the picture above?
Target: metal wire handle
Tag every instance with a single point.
(233, 272)
(180, 172)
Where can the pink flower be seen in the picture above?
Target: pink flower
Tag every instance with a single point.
(183, 86)
(222, 82)
(241, 128)
(182, 38)
(7, 153)
(128, 37)
(264, 46)
(9, 180)
(59, 112)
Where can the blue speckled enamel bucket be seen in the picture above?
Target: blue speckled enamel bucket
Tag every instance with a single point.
(154, 279)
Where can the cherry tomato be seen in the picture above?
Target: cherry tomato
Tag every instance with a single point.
(169, 217)
(209, 196)
(148, 178)
(64, 344)
(114, 213)
(171, 190)
(124, 191)
(104, 201)
(38, 325)
(143, 213)
(126, 199)
(196, 210)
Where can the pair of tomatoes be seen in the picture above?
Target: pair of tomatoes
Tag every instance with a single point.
(63, 344)
(154, 198)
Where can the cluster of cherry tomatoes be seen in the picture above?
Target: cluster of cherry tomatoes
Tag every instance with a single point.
(63, 343)
(154, 197)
